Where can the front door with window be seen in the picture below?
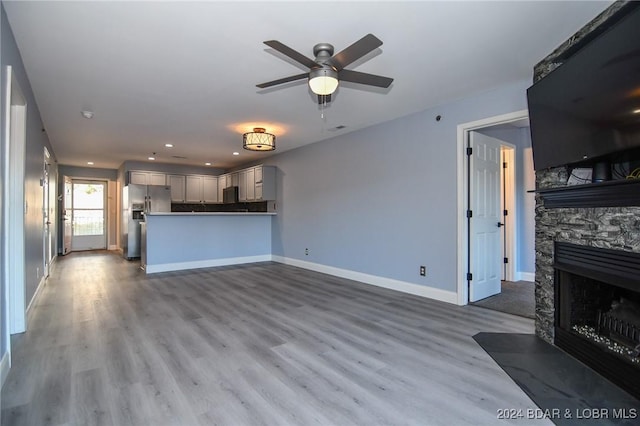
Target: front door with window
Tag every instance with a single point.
(88, 215)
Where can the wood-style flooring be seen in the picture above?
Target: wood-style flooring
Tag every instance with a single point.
(258, 344)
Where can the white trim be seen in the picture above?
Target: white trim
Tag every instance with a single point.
(526, 276)
(5, 366)
(462, 131)
(402, 286)
(113, 247)
(36, 294)
(15, 205)
(509, 183)
(208, 263)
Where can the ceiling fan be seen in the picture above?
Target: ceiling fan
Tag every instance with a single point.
(328, 69)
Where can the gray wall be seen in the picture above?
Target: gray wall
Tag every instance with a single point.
(382, 200)
(34, 157)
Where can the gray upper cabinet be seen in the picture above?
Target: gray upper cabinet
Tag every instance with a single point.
(147, 178)
(201, 189)
(265, 183)
(210, 189)
(178, 187)
(194, 189)
(257, 183)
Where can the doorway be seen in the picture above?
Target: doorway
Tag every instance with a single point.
(498, 254)
(47, 237)
(88, 215)
(489, 212)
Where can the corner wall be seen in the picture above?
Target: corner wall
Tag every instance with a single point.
(616, 228)
(381, 201)
(36, 141)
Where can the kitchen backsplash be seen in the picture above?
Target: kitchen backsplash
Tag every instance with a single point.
(231, 207)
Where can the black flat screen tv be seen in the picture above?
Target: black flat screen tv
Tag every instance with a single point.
(588, 109)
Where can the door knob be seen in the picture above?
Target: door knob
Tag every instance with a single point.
(500, 224)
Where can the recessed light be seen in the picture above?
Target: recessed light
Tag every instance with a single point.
(236, 153)
(168, 145)
(90, 163)
(87, 114)
(152, 158)
(207, 164)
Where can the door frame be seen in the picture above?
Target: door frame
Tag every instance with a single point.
(14, 206)
(105, 208)
(463, 130)
(46, 216)
(509, 203)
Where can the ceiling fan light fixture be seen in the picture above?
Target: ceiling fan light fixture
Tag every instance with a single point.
(323, 81)
(259, 140)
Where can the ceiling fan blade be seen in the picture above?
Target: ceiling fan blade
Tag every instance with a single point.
(354, 52)
(287, 51)
(282, 80)
(364, 78)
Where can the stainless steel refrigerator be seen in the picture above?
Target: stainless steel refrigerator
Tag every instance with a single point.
(137, 200)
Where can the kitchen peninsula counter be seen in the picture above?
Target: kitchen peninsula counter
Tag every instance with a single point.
(190, 240)
(212, 214)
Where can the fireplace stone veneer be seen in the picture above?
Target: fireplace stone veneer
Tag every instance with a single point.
(606, 227)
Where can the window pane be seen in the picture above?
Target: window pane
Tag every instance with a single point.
(88, 222)
(88, 195)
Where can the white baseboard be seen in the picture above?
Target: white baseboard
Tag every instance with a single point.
(5, 365)
(526, 276)
(36, 294)
(403, 286)
(210, 263)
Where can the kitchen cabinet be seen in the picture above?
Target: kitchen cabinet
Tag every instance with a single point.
(242, 186)
(210, 189)
(147, 178)
(178, 187)
(261, 183)
(221, 186)
(201, 189)
(194, 189)
(257, 184)
(251, 184)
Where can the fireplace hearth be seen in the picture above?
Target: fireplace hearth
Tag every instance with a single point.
(597, 310)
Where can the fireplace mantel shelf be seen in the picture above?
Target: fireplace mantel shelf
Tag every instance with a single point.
(615, 193)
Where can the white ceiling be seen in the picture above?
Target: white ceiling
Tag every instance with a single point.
(185, 72)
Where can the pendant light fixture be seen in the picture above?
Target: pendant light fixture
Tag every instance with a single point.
(259, 140)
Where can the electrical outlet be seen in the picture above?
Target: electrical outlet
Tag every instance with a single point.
(306, 252)
(423, 271)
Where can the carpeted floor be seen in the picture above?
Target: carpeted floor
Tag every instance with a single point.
(516, 298)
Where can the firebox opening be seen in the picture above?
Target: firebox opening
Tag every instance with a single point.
(597, 310)
(606, 315)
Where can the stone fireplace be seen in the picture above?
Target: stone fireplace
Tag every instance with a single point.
(572, 301)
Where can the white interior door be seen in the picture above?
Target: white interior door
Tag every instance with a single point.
(485, 237)
(88, 215)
